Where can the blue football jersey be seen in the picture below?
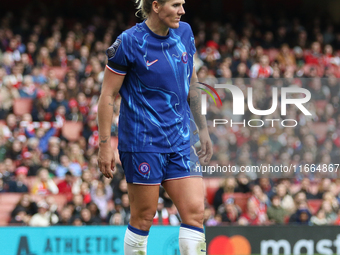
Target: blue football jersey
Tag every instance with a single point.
(154, 112)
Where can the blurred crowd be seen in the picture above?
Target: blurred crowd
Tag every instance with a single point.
(59, 63)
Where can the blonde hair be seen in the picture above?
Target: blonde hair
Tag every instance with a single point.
(145, 6)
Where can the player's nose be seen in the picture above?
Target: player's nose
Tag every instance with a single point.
(181, 10)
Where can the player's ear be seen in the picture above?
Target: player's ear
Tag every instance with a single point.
(155, 6)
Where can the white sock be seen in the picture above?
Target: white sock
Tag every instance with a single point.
(191, 240)
(135, 241)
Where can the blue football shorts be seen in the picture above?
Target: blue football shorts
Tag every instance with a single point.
(150, 168)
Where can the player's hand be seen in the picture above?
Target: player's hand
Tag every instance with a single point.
(206, 151)
(106, 161)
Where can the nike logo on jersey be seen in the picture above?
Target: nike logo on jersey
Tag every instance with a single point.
(151, 63)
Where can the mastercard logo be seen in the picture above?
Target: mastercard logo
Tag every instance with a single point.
(235, 245)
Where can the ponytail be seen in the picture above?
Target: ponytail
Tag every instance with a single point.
(145, 7)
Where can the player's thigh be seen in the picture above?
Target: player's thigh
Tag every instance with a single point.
(188, 196)
(143, 199)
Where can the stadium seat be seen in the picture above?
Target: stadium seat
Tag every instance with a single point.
(211, 186)
(7, 203)
(71, 130)
(241, 199)
(22, 106)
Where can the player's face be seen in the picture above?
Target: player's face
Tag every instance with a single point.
(170, 13)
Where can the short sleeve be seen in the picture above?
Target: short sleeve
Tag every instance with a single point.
(118, 56)
(192, 42)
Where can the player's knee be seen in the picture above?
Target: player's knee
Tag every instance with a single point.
(144, 219)
(194, 215)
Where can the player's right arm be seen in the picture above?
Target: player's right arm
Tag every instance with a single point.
(112, 83)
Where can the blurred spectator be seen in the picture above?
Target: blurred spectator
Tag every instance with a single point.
(65, 217)
(116, 219)
(305, 188)
(329, 212)
(251, 216)
(87, 219)
(242, 183)
(285, 57)
(85, 192)
(314, 55)
(20, 219)
(101, 193)
(18, 184)
(77, 204)
(260, 200)
(125, 204)
(230, 213)
(228, 187)
(209, 217)
(43, 218)
(27, 204)
(276, 214)
(7, 95)
(120, 189)
(302, 215)
(65, 186)
(43, 134)
(43, 58)
(262, 69)
(286, 200)
(162, 216)
(28, 89)
(319, 219)
(44, 184)
(67, 166)
(74, 114)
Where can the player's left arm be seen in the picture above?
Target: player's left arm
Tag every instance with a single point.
(194, 100)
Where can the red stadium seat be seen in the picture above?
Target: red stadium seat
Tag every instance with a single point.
(241, 199)
(71, 130)
(22, 106)
(211, 186)
(8, 202)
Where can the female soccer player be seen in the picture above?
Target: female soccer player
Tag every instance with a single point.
(151, 66)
